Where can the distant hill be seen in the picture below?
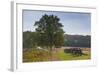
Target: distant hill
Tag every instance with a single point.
(77, 40)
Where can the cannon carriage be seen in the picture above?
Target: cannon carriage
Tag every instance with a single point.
(74, 51)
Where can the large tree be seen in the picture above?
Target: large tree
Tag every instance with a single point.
(50, 32)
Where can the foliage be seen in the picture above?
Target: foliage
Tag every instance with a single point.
(29, 39)
(50, 32)
(77, 40)
(33, 39)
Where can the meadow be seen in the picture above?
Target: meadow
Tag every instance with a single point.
(42, 55)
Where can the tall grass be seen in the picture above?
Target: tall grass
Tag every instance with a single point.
(40, 55)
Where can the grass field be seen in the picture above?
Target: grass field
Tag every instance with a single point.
(40, 55)
(68, 56)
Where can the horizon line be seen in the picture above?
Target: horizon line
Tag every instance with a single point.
(64, 33)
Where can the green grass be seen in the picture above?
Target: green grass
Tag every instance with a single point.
(36, 55)
(67, 56)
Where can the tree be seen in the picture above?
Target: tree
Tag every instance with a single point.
(29, 39)
(50, 32)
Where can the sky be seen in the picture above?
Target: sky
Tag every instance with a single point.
(74, 23)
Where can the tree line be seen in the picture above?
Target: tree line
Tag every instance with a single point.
(77, 40)
(31, 39)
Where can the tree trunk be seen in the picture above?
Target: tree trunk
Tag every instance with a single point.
(51, 53)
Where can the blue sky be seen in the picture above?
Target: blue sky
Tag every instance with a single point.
(74, 22)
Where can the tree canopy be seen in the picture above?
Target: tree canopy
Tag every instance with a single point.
(50, 32)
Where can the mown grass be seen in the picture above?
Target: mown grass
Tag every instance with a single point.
(67, 56)
(38, 55)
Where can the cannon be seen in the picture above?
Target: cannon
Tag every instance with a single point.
(74, 51)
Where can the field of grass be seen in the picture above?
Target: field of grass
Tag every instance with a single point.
(35, 55)
(40, 55)
(68, 56)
